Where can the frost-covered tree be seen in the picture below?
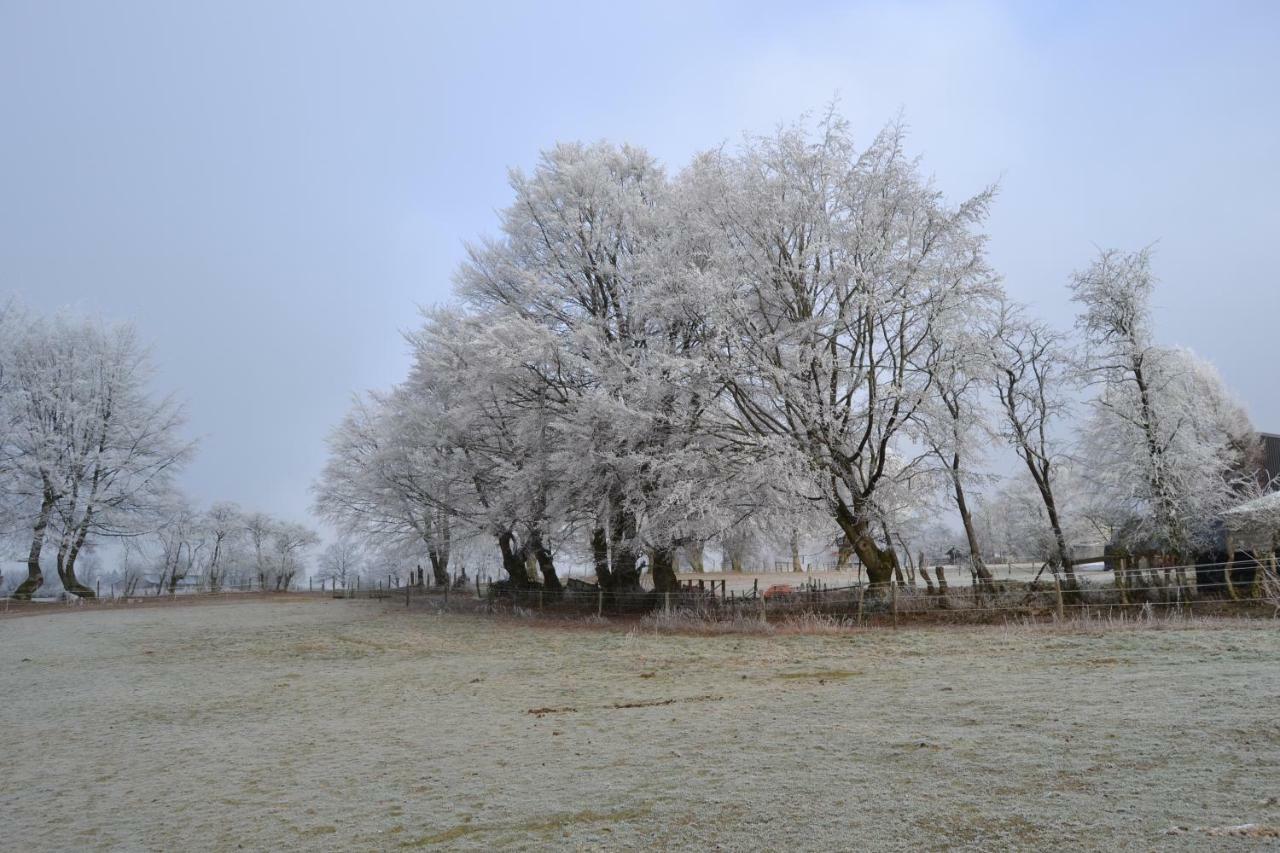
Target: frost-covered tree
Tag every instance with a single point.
(290, 542)
(386, 481)
(1166, 443)
(224, 524)
(341, 562)
(835, 268)
(598, 270)
(89, 449)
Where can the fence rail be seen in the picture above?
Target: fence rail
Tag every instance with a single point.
(1171, 589)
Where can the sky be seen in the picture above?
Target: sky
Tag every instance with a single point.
(270, 190)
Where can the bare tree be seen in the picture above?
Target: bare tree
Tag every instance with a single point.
(1030, 374)
(341, 561)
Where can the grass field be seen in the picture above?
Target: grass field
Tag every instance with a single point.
(319, 724)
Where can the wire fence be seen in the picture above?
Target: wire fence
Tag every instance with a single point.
(1245, 588)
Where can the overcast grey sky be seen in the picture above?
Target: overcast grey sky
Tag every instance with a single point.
(268, 189)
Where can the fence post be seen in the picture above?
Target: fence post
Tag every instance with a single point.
(539, 597)
(406, 595)
(477, 586)
(723, 583)
(599, 600)
(98, 585)
(893, 601)
(755, 587)
(1122, 580)
(764, 611)
(666, 601)
(446, 595)
(861, 595)
(1057, 595)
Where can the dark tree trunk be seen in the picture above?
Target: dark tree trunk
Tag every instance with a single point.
(879, 562)
(626, 574)
(975, 550)
(512, 560)
(35, 577)
(439, 568)
(67, 561)
(664, 571)
(844, 554)
(600, 557)
(546, 561)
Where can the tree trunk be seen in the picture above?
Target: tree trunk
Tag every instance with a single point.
(879, 562)
(439, 568)
(975, 550)
(67, 561)
(512, 563)
(35, 577)
(693, 551)
(796, 565)
(1060, 539)
(844, 554)
(546, 561)
(626, 575)
(600, 557)
(664, 571)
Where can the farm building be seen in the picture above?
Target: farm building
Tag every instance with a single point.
(1270, 472)
(1246, 536)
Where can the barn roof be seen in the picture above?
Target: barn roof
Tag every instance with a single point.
(1262, 510)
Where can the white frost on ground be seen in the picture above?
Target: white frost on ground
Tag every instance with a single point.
(353, 725)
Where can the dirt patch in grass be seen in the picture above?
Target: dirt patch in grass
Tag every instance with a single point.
(652, 703)
(537, 825)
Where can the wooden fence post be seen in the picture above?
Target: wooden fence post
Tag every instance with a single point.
(406, 595)
(666, 601)
(477, 586)
(755, 587)
(1057, 594)
(599, 600)
(893, 601)
(861, 595)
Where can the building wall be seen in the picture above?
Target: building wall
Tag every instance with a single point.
(1271, 455)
